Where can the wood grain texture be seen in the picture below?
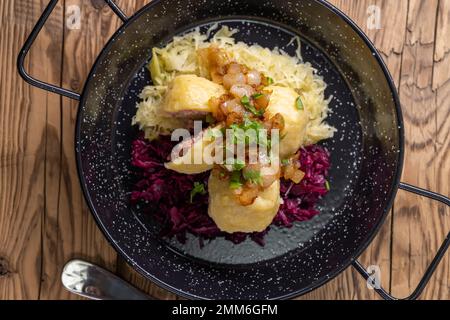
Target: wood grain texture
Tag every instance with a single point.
(23, 113)
(70, 230)
(44, 220)
(420, 224)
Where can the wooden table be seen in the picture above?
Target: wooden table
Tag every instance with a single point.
(44, 220)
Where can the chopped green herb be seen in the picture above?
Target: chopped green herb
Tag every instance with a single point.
(235, 185)
(299, 104)
(245, 100)
(257, 95)
(240, 133)
(254, 176)
(246, 103)
(198, 188)
(253, 110)
(222, 174)
(238, 165)
(285, 162)
(269, 80)
(235, 180)
(252, 124)
(327, 185)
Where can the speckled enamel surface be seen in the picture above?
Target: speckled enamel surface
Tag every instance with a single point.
(365, 152)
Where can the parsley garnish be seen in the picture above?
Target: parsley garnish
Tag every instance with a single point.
(246, 103)
(238, 165)
(235, 180)
(245, 100)
(251, 124)
(258, 113)
(199, 188)
(254, 176)
(299, 104)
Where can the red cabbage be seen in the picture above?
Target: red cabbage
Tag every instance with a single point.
(300, 199)
(166, 194)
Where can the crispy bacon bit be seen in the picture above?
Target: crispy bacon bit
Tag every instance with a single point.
(254, 78)
(231, 79)
(262, 100)
(248, 195)
(234, 68)
(216, 61)
(233, 118)
(276, 122)
(233, 105)
(268, 176)
(228, 109)
(263, 177)
(265, 81)
(224, 71)
(241, 90)
(214, 103)
(291, 169)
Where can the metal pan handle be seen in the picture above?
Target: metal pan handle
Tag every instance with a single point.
(32, 37)
(434, 263)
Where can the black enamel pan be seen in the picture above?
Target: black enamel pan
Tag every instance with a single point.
(366, 153)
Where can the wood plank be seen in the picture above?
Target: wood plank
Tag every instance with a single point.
(441, 86)
(349, 285)
(70, 230)
(23, 112)
(420, 224)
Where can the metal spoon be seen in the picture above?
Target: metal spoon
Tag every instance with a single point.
(90, 281)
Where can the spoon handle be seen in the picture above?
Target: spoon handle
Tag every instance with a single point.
(90, 281)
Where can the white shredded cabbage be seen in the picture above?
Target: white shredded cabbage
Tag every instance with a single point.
(148, 116)
(180, 57)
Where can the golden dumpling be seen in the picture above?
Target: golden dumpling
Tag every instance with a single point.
(230, 216)
(194, 160)
(188, 95)
(283, 101)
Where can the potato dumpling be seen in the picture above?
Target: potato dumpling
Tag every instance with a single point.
(283, 100)
(193, 160)
(188, 96)
(230, 216)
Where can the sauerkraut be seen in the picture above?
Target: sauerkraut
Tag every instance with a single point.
(180, 57)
